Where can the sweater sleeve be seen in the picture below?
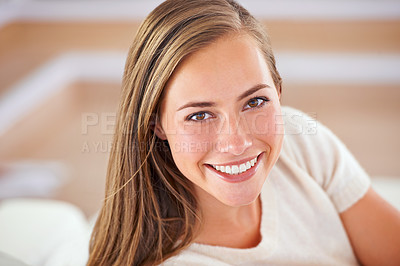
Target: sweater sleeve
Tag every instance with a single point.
(326, 159)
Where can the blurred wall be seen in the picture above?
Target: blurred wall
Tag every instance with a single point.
(61, 65)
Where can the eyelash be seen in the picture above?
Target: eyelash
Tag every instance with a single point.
(263, 99)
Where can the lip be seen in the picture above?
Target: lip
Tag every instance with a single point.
(237, 162)
(239, 177)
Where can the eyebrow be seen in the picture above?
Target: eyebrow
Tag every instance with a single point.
(252, 90)
(240, 97)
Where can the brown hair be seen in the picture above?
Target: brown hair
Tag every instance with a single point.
(149, 213)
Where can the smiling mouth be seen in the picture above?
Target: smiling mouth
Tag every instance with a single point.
(235, 169)
(234, 173)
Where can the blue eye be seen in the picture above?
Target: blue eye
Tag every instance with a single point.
(256, 102)
(200, 116)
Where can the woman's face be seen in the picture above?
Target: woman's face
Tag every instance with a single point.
(222, 119)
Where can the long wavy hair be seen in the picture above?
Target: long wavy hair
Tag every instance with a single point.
(150, 211)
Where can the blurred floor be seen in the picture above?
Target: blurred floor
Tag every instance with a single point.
(363, 116)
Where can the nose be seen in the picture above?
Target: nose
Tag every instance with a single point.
(235, 138)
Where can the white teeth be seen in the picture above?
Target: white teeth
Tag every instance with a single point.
(228, 169)
(236, 169)
(242, 168)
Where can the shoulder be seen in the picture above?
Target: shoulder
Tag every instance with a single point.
(312, 147)
(190, 257)
(308, 142)
(298, 122)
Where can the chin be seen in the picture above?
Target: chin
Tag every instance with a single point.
(239, 200)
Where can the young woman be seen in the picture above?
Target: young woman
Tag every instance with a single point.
(208, 169)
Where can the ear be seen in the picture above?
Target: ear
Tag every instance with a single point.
(279, 92)
(159, 130)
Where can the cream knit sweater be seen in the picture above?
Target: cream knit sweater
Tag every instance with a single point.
(314, 179)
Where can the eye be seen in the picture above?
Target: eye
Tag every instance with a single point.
(200, 116)
(256, 103)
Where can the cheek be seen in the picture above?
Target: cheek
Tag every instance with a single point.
(189, 148)
(268, 124)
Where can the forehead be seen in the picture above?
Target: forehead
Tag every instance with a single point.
(224, 68)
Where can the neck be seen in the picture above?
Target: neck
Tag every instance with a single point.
(223, 225)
